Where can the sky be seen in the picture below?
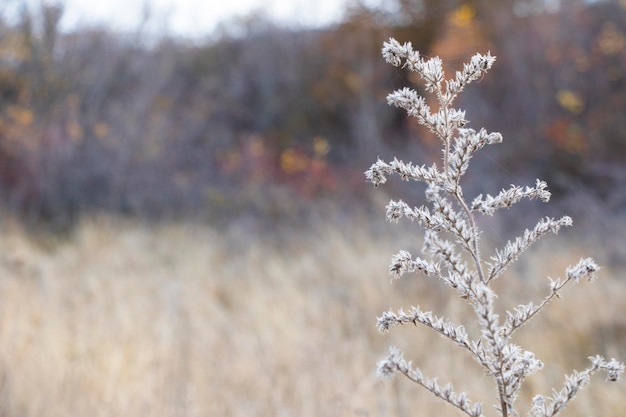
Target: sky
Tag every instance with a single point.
(195, 18)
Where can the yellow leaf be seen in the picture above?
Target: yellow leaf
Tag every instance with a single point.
(21, 115)
(464, 15)
(320, 146)
(292, 161)
(570, 101)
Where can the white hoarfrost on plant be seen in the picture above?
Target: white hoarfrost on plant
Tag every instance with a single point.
(451, 231)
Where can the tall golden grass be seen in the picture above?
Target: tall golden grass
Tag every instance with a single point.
(124, 319)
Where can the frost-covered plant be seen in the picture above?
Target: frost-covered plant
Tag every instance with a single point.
(451, 244)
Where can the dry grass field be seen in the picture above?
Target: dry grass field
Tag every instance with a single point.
(125, 319)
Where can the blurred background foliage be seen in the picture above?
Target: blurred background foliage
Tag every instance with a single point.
(265, 122)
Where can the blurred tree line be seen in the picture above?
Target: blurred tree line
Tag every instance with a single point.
(264, 120)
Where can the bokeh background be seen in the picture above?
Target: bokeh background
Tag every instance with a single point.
(186, 229)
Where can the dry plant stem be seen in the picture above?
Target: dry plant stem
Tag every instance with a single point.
(507, 363)
(475, 251)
